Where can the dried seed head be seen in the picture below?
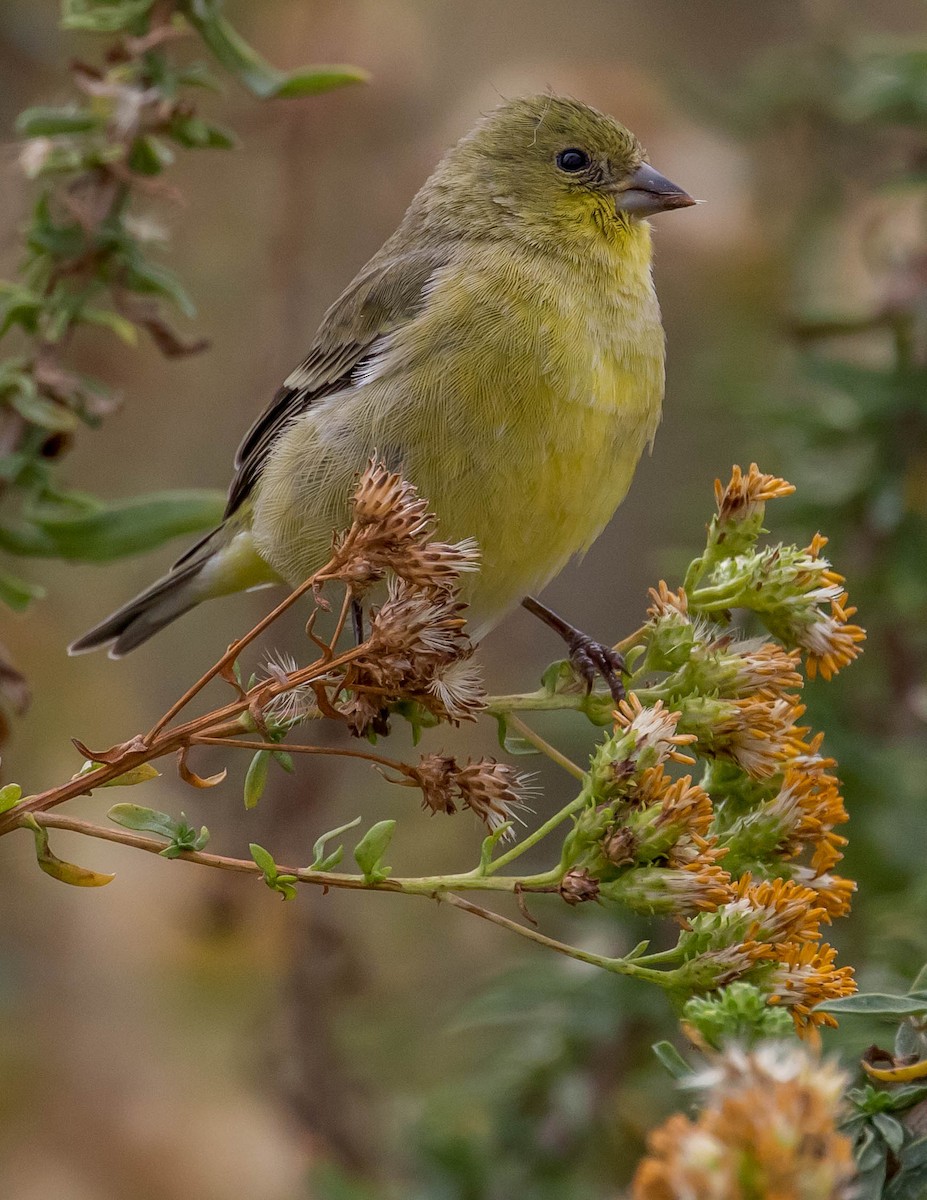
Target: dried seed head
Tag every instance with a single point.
(458, 690)
(578, 886)
(436, 776)
(495, 791)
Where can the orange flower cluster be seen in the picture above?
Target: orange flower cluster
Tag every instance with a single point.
(746, 495)
(769, 1125)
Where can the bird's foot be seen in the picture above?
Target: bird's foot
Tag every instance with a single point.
(588, 657)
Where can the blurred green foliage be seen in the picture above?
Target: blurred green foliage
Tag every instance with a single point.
(89, 264)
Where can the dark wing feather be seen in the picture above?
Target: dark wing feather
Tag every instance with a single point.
(386, 294)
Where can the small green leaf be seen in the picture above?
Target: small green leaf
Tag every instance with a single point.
(42, 411)
(121, 326)
(56, 867)
(144, 820)
(369, 851)
(149, 155)
(256, 778)
(18, 594)
(150, 279)
(877, 1004)
(284, 760)
(671, 1059)
(892, 1131)
(10, 796)
(195, 133)
(140, 774)
(512, 743)
(284, 884)
(182, 837)
(559, 677)
(310, 81)
(489, 844)
(323, 862)
(47, 122)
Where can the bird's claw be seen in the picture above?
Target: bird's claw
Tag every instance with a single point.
(590, 658)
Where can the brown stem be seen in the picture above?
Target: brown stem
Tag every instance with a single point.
(337, 751)
(232, 653)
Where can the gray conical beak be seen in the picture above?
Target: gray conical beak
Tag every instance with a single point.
(648, 192)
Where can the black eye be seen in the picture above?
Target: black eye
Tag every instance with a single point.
(572, 159)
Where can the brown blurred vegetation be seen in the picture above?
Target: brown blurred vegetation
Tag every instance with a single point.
(176, 1035)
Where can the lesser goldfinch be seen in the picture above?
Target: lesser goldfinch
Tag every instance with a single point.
(504, 349)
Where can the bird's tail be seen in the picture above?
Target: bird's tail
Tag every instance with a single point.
(222, 562)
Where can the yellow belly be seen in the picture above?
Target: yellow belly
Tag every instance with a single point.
(522, 423)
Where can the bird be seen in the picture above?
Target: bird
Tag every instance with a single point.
(504, 349)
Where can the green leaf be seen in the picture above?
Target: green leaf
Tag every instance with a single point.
(284, 884)
(121, 326)
(182, 837)
(195, 133)
(323, 862)
(17, 593)
(47, 121)
(145, 820)
(920, 981)
(151, 279)
(42, 411)
(254, 71)
(256, 778)
(103, 16)
(149, 155)
(512, 743)
(264, 859)
(877, 1004)
(56, 867)
(125, 527)
(284, 760)
(310, 81)
(10, 796)
(369, 851)
(891, 1130)
(489, 844)
(559, 677)
(140, 774)
(671, 1059)
(19, 306)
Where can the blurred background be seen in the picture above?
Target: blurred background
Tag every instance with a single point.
(179, 1035)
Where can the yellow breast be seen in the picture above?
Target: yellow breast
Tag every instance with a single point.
(519, 402)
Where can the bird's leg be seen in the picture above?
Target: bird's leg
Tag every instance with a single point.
(588, 657)
(357, 621)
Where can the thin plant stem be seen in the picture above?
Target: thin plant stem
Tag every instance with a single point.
(545, 747)
(336, 751)
(540, 833)
(618, 966)
(232, 653)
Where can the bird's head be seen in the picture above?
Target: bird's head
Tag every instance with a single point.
(553, 170)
